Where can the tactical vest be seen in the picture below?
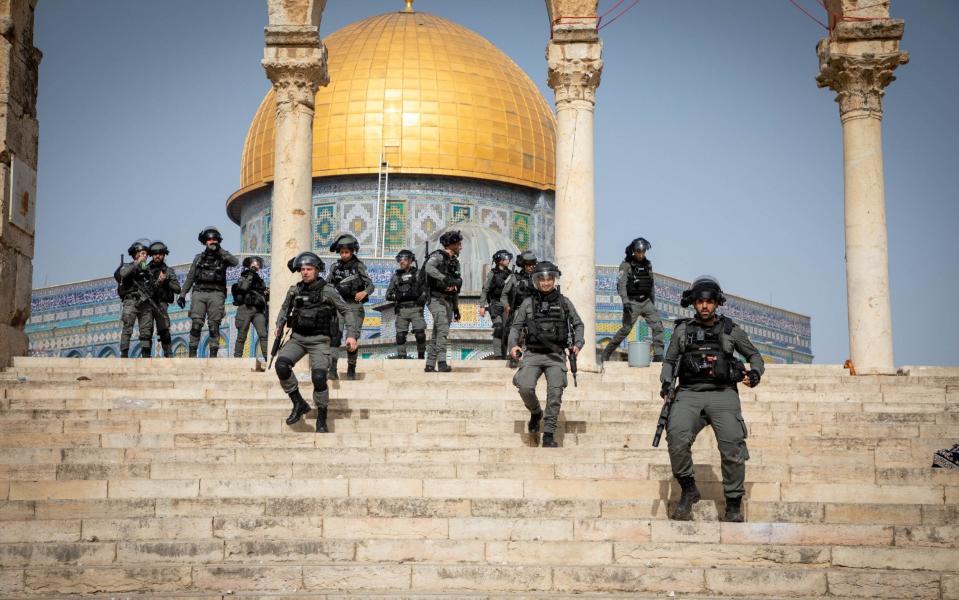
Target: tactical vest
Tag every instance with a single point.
(707, 355)
(548, 327)
(211, 270)
(312, 315)
(407, 286)
(128, 285)
(639, 285)
(250, 290)
(450, 267)
(345, 277)
(522, 288)
(496, 286)
(163, 292)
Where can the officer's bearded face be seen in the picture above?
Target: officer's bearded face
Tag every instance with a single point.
(546, 283)
(211, 243)
(157, 258)
(405, 263)
(345, 254)
(705, 308)
(308, 273)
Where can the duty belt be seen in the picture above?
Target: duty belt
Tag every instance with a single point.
(407, 304)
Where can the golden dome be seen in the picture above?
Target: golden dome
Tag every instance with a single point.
(432, 96)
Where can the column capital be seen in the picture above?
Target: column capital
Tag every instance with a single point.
(574, 70)
(295, 61)
(859, 69)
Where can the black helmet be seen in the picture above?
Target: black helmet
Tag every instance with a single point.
(305, 258)
(249, 260)
(526, 258)
(705, 286)
(158, 247)
(407, 254)
(140, 244)
(345, 241)
(638, 245)
(544, 269)
(502, 255)
(209, 233)
(451, 237)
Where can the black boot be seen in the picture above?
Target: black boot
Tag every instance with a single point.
(400, 352)
(548, 441)
(146, 351)
(421, 354)
(300, 408)
(214, 352)
(125, 353)
(192, 351)
(444, 368)
(167, 350)
(429, 369)
(332, 375)
(684, 508)
(734, 510)
(321, 420)
(351, 372)
(534, 419)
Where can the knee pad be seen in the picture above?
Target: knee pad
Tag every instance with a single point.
(215, 330)
(319, 379)
(196, 328)
(401, 337)
(420, 335)
(165, 337)
(284, 368)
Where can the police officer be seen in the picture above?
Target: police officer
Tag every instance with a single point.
(208, 273)
(135, 290)
(517, 288)
(491, 296)
(444, 280)
(700, 354)
(308, 310)
(349, 277)
(636, 287)
(251, 295)
(552, 325)
(406, 292)
(166, 287)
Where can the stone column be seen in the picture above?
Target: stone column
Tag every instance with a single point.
(857, 62)
(295, 61)
(574, 57)
(19, 64)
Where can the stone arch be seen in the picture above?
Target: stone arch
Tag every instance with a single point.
(107, 352)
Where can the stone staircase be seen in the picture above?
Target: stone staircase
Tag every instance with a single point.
(178, 479)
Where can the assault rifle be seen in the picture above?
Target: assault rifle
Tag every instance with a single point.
(664, 413)
(278, 341)
(142, 289)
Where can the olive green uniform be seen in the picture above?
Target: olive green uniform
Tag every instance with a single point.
(356, 279)
(316, 346)
(490, 299)
(164, 293)
(404, 291)
(136, 307)
(717, 404)
(636, 306)
(535, 363)
(252, 310)
(207, 301)
(444, 307)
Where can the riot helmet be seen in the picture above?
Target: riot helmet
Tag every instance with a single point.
(526, 258)
(137, 246)
(249, 261)
(638, 245)
(407, 254)
(345, 241)
(451, 237)
(158, 247)
(305, 259)
(210, 233)
(545, 270)
(705, 286)
(502, 255)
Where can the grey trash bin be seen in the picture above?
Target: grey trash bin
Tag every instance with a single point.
(639, 354)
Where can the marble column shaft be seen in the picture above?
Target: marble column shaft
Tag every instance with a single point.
(859, 79)
(574, 74)
(295, 61)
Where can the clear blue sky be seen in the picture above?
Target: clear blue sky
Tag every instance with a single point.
(712, 140)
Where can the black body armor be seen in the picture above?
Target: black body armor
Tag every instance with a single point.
(450, 268)
(345, 277)
(496, 287)
(250, 290)
(407, 287)
(639, 286)
(548, 330)
(211, 271)
(312, 315)
(706, 357)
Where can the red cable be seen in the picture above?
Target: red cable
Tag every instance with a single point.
(808, 14)
(611, 9)
(626, 10)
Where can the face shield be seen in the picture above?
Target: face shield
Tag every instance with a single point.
(545, 281)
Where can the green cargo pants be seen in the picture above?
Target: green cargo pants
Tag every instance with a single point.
(632, 311)
(206, 305)
(136, 311)
(246, 316)
(442, 311)
(530, 369)
(691, 411)
(298, 346)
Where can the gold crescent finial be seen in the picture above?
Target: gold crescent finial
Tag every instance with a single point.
(409, 7)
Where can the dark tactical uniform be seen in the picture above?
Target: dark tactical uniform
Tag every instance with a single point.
(442, 271)
(349, 278)
(518, 287)
(702, 357)
(164, 293)
(208, 275)
(404, 290)
(636, 288)
(551, 324)
(135, 290)
(250, 294)
(491, 299)
(313, 323)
